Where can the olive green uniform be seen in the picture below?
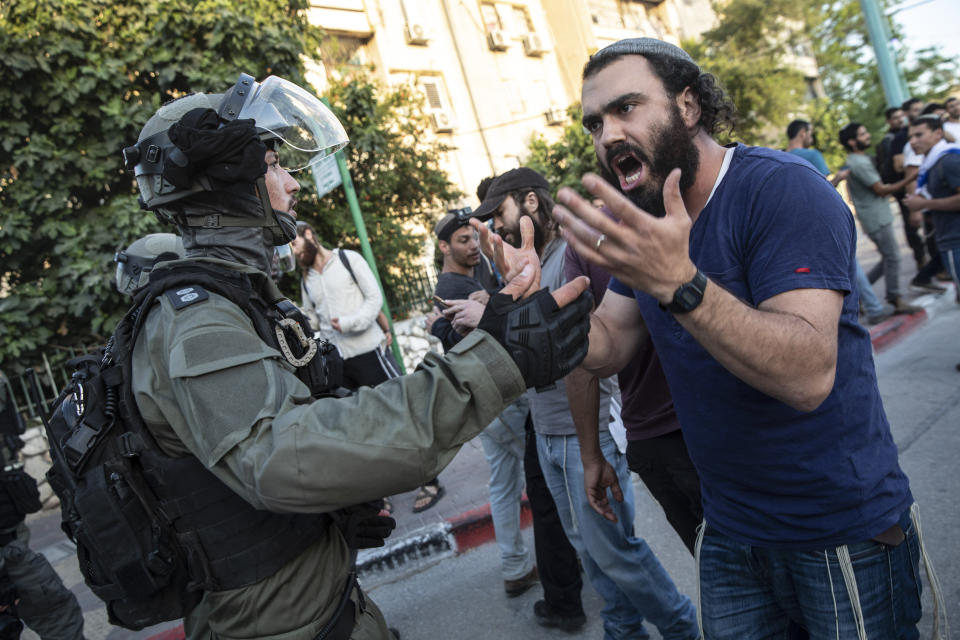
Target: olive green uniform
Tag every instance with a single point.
(207, 385)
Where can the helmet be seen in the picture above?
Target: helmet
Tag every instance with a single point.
(140, 257)
(281, 113)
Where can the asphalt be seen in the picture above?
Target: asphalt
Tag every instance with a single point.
(458, 522)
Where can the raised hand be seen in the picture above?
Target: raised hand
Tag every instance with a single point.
(510, 260)
(643, 251)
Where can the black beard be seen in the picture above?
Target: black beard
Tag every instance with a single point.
(308, 254)
(538, 234)
(862, 146)
(673, 147)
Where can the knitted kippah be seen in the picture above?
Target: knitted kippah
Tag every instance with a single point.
(643, 46)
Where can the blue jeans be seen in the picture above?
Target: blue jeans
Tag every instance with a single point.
(503, 444)
(951, 263)
(752, 593)
(620, 566)
(871, 303)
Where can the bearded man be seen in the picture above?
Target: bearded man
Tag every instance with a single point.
(739, 263)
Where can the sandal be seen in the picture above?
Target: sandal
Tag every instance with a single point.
(428, 496)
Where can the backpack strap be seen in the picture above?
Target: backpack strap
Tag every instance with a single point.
(346, 263)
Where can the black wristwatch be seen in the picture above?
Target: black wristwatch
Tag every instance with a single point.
(688, 296)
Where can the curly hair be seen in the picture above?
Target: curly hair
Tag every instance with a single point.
(717, 112)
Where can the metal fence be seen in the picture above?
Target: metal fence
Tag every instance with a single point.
(52, 375)
(413, 293)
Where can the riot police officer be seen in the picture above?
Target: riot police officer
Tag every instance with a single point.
(30, 589)
(216, 379)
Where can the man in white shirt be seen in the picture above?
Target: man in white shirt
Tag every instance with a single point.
(341, 297)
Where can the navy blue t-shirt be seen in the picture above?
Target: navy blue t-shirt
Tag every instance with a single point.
(944, 182)
(771, 475)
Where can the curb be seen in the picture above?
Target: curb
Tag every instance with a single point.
(890, 331)
(455, 535)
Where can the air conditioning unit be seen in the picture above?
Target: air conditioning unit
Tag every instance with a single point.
(533, 45)
(556, 116)
(497, 40)
(416, 34)
(442, 122)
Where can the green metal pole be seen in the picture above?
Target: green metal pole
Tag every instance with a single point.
(365, 244)
(894, 87)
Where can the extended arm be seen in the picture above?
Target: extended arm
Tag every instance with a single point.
(245, 415)
(884, 189)
(786, 348)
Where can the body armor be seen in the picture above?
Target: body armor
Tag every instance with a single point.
(154, 531)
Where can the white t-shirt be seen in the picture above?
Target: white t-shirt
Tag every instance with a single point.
(953, 128)
(332, 293)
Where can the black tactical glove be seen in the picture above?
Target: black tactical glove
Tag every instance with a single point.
(545, 341)
(362, 525)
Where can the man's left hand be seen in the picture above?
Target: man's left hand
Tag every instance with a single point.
(464, 315)
(481, 295)
(915, 202)
(643, 251)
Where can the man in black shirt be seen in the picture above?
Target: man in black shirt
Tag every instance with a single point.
(466, 273)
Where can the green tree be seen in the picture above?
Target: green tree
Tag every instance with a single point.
(748, 51)
(395, 166)
(752, 49)
(563, 162)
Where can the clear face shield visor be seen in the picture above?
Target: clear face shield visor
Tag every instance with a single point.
(286, 261)
(307, 128)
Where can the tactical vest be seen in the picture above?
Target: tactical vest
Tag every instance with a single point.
(154, 531)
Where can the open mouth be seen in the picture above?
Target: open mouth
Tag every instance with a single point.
(629, 168)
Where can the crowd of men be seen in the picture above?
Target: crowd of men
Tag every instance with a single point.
(721, 301)
(898, 168)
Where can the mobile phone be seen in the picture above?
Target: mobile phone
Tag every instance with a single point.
(440, 302)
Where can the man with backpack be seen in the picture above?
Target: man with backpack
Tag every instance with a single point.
(204, 469)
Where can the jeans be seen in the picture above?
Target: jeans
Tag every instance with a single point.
(871, 303)
(889, 265)
(557, 562)
(753, 593)
(912, 233)
(666, 469)
(503, 444)
(620, 566)
(951, 263)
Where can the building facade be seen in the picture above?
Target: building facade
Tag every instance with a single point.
(493, 73)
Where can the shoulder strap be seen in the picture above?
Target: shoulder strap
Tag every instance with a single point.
(346, 263)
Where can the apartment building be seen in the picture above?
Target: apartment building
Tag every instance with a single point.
(494, 72)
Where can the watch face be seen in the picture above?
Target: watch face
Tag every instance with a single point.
(688, 297)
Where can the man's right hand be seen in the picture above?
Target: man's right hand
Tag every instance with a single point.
(597, 476)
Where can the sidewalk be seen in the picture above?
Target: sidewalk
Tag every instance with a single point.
(459, 521)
